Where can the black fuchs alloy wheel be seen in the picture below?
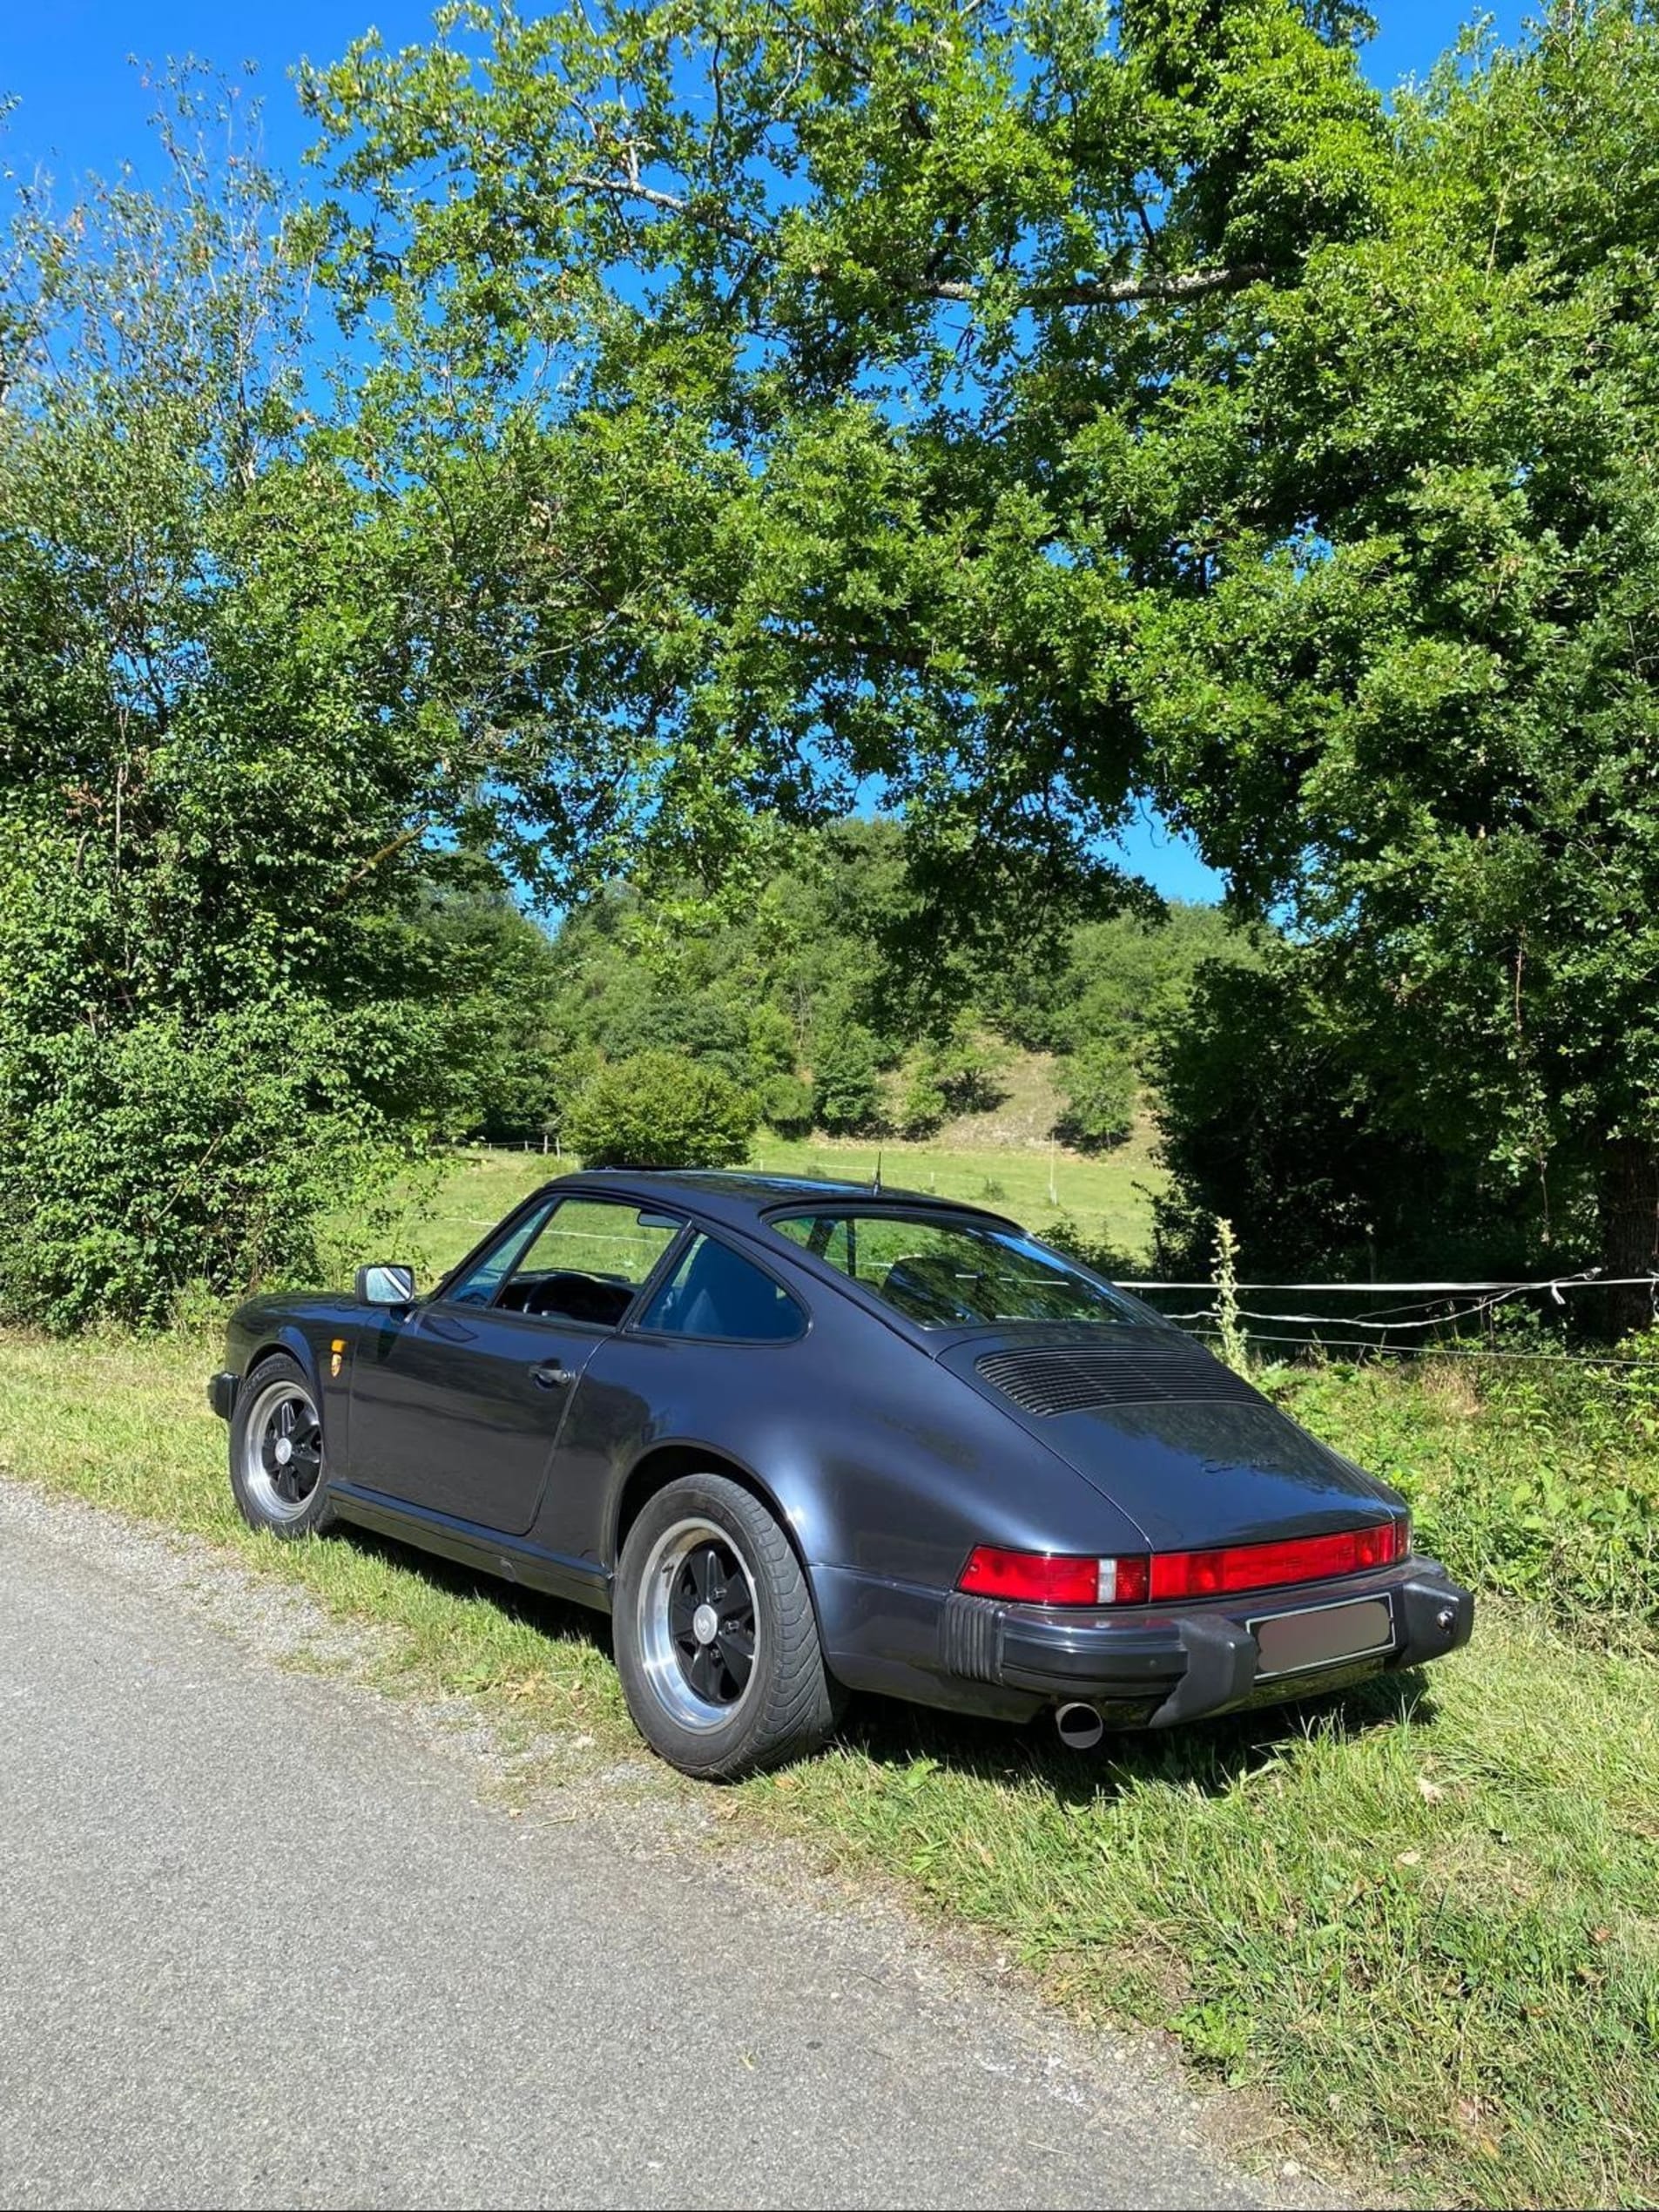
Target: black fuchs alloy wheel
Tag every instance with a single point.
(716, 1639)
(277, 1473)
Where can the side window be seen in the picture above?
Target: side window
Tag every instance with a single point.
(713, 1293)
(481, 1286)
(580, 1259)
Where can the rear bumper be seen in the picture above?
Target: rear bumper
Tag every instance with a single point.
(222, 1394)
(1153, 1670)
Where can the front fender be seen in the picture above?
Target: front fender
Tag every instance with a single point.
(308, 1333)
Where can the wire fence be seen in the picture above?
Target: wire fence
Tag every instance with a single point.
(1451, 1319)
(1551, 1319)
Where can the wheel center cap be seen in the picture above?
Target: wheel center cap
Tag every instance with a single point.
(705, 1624)
(284, 1450)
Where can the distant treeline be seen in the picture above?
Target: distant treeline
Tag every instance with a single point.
(819, 1001)
(825, 1003)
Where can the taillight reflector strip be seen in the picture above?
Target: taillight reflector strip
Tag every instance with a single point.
(1270, 1566)
(1049, 1578)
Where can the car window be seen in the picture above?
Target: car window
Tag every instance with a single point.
(714, 1293)
(947, 1274)
(479, 1285)
(580, 1259)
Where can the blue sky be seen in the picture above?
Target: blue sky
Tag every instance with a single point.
(83, 106)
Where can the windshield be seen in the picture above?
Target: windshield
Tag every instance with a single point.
(951, 1274)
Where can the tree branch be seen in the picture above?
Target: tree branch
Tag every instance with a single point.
(1082, 291)
(670, 204)
(1091, 291)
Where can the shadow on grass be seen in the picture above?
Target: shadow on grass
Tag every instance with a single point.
(557, 1619)
(1209, 1756)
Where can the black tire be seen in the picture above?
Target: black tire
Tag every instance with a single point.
(280, 1490)
(686, 1689)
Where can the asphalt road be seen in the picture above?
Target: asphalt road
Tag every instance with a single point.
(260, 1945)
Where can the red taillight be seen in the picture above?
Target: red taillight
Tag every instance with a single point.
(1270, 1567)
(1046, 1578)
(1031, 1578)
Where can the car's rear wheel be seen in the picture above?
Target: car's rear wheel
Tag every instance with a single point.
(277, 1470)
(717, 1641)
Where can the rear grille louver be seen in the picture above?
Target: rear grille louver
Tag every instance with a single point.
(1146, 1370)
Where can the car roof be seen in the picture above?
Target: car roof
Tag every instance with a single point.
(742, 1194)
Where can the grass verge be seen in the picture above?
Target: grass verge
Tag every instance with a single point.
(1424, 1918)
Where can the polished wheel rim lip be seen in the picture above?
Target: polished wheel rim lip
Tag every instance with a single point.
(282, 1451)
(695, 1570)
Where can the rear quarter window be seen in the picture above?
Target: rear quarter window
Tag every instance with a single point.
(715, 1293)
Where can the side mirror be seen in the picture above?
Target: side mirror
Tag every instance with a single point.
(385, 1285)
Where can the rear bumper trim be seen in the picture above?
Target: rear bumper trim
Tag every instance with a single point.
(222, 1394)
(1179, 1666)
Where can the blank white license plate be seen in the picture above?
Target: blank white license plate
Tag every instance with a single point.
(1292, 1643)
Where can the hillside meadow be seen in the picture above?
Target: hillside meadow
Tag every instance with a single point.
(1002, 1158)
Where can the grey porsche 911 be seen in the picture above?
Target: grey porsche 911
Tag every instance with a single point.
(802, 1438)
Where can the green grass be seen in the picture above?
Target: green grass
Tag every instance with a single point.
(1539, 1481)
(1423, 1920)
(1110, 1195)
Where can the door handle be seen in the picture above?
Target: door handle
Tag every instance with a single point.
(551, 1375)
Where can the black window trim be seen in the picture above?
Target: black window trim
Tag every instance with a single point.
(631, 1323)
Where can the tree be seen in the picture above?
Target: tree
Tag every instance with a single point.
(1100, 1091)
(846, 1081)
(786, 1105)
(923, 294)
(208, 1030)
(1426, 723)
(1135, 407)
(251, 685)
(1271, 1118)
(661, 1110)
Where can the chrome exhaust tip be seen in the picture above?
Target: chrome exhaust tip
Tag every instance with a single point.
(1079, 1727)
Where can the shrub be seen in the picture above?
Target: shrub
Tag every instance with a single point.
(1538, 1481)
(786, 1106)
(185, 1160)
(923, 1105)
(846, 1087)
(661, 1110)
(967, 1074)
(1099, 1089)
(1067, 1235)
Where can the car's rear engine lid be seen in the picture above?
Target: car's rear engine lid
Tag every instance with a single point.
(1189, 1450)
(1118, 1367)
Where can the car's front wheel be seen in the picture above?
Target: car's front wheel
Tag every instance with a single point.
(277, 1471)
(717, 1642)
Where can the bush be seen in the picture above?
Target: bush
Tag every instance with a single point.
(923, 1105)
(1067, 1235)
(1099, 1088)
(184, 1162)
(786, 1106)
(772, 1045)
(967, 1074)
(1540, 1481)
(661, 1110)
(847, 1085)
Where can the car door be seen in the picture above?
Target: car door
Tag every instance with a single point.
(458, 1404)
